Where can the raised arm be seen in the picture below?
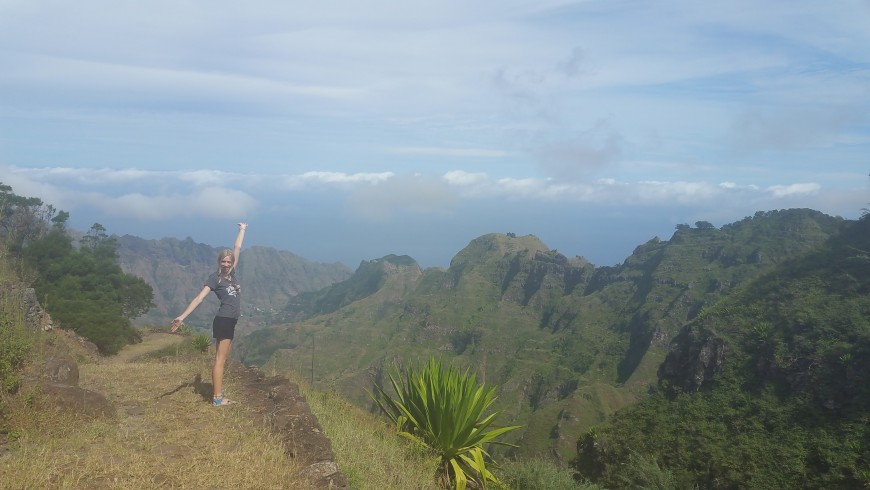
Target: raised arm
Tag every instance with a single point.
(192, 306)
(237, 249)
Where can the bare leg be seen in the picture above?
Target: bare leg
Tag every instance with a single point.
(222, 352)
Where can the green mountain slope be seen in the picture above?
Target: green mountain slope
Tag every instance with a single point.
(567, 343)
(368, 279)
(766, 389)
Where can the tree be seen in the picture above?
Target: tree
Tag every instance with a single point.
(87, 290)
(97, 242)
(46, 253)
(24, 219)
(59, 221)
(135, 296)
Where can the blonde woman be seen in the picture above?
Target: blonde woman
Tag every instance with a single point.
(226, 287)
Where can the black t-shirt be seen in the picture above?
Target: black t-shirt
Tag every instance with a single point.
(228, 292)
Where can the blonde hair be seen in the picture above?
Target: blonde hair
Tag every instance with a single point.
(225, 253)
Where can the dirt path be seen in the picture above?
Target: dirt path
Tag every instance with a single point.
(151, 342)
(270, 403)
(161, 432)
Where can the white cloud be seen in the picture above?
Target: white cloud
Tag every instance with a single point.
(201, 178)
(462, 178)
(84, 176)
(793, 189)
(521, 188)
(680, 192)
(335, 179)
(735, 186)
(151, 194)
(126, 192)
(603, 191)
(209, 202)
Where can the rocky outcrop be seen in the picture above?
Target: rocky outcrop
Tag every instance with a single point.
(35, 317)
(58, 381)
(55, 373)
(79, 400)
(61, 369)
(278, 404)
(696, 357)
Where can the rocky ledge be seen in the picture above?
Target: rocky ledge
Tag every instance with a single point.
(277, 403)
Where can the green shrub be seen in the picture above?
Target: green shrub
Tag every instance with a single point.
(645, 472)
(16, 343)
(540, 474)
(201, 342)
(14, 350)
(443, 409)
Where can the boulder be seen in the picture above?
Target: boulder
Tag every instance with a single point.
(78, 400)
(62, 369)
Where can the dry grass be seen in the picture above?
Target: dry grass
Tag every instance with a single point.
(367, 451)
(151, 342)
(166, 435)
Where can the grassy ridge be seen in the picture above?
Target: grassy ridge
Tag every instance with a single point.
(164, 437)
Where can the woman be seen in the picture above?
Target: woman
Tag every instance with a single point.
(226, 287)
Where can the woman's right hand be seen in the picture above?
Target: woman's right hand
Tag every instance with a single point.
(176, 323)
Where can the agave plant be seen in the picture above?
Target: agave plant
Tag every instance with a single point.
(201, 341)
(444, 410)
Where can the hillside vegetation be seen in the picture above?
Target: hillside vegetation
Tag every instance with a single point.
(769, 388)
(566, 343)
(720, 358)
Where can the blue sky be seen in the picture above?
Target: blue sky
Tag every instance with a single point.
(345, 131)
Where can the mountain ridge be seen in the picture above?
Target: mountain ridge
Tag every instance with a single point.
(765, 389)
(567, 342)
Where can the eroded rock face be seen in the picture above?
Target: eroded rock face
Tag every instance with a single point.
(35, 317)
(696, 357)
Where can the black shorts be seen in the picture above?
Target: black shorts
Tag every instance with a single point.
(223, 327)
